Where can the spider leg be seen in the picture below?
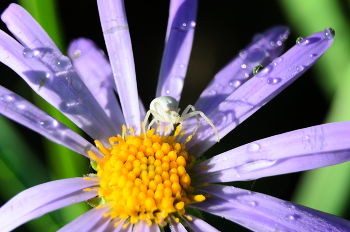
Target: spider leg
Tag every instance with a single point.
(153, 121)
(184, 113)
(206, 119)
(155, 114)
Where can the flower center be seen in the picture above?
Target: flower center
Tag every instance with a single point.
(145, 177)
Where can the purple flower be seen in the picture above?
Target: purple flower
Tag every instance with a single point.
(146, 181)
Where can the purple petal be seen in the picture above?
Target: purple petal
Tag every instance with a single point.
(180, 32)
(111, 226)
(51, 76)
(295, 151)
(20, 110)
(257, 91)
(264, 48)
(261, 212)
(176, 226)
(95, 70)
(92, 220)
(116, 33)
(198, 225)
(143, 227)
(44, 198)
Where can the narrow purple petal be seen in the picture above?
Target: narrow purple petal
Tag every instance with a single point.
(295, 151)
(257, 91)
(176, 226)
(89, 221)
(143, 227)
(116, 33)
(257, 211)
(180, 32)
(20, 110)
(44, 198)
(198, 225)
(264, 48)
(95, 71)
(51, 76)
(113, 228)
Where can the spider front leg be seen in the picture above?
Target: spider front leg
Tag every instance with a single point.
(155, 114)
(206, 119)
(184, 113)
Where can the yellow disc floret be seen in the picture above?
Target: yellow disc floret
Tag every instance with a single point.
(145, 178)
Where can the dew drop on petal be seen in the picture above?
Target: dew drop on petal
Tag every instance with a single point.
(173, 86)
(77, 53)
(252, 203)
(302, 41)
(277, 61)
(253, 147)
(279, 43)
(300, 68)
(48, 123)
(63, 62)
(329, 33)
(28, 53)
(305, 138)
(243, 66)
(225, 158)
(273, 80)
(291, 217)
(7, 98)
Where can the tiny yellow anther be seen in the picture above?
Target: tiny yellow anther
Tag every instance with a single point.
(105, 215)
(99, 207)
(204, 167)
(132, 131)
(182, 133)
(188, 139)
(166, 128)
(87, 190)
(205, 184)
(92, 155)
(189, 218)
(87, 178)
(199, 198)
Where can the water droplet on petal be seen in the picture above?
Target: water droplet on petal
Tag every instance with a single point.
(272, 43)
(302, 41)
(257, 69)
(48, 123)
(77, 53)
(7, 98)
(273, 81)
(279, 43)
(256, 55)
(28, 53)
(63, 62)
(291, 217)
(77, 82)
(300, 68)
(253, 147)
(243, 66)
(252, 203)
(173, 86)
(329, 33)
(225, 158)
(305, 138)
(277, 61)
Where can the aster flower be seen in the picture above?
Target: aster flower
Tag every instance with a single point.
(146, 181)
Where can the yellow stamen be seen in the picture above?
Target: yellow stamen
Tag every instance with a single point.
(182, 133)
(132, 131)
(145, 178)
(205, 184)
(204, 167)
(189, 218)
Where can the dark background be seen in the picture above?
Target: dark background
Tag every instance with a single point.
(223, 28)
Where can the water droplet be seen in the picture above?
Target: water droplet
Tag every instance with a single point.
(225, 158)
(77, 53)
(188, 25)
(302, 41)
(329, 33)
(273, 81)
(212, 93)
(243, 66)
(76, 82)
(63, 62)
(257, 69)
(272, 43)
(279, 43)
(252, 203)
(173, 86)
(300, 68)
(255, 55)
(277, 61)
(28, 53)
(291, 217)
(236, 83)
(7, 98)
(237, 176)
(48, 123)
(305, 138)
(253, 147)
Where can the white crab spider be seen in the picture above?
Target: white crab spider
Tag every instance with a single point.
(166, 109)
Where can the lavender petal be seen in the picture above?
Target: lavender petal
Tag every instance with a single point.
(257, 91)
(259, 212)
(116, 34)
(198, 225)
(113, 228)
(295, 151)
(50, 75)
(44, 198)
(176, 226)
(20, 110)
(180, 32)
(95, 70)
(263, 50)
(142, 226)
(89, 221)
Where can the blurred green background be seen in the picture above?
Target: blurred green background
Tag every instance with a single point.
(223, 28)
